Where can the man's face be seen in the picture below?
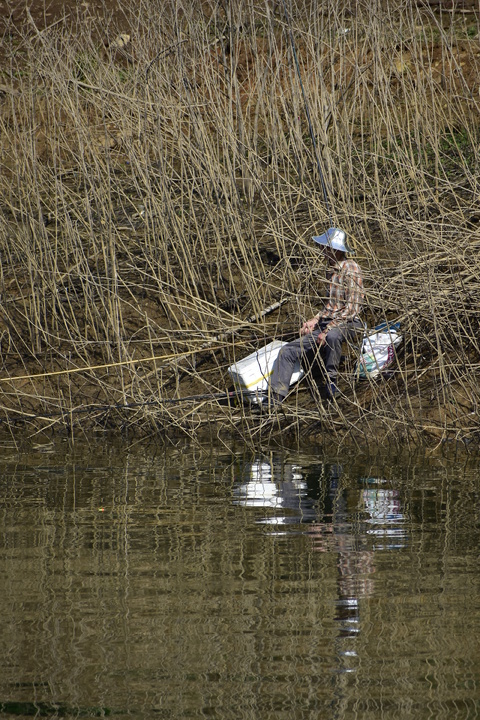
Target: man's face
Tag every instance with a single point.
(329, 255)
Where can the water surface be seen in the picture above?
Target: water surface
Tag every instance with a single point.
(187, 583)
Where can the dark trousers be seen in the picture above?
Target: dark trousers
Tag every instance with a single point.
(306, 349)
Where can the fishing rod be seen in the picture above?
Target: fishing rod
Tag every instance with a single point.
(206, 347)
(307, 112)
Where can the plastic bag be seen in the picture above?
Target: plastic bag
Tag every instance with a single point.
(378, 350)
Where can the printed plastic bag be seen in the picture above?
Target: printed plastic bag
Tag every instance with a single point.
(378, 350)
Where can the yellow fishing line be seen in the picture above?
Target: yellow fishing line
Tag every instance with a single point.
(108, 365)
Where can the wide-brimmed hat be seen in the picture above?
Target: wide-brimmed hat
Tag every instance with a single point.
(334, 238)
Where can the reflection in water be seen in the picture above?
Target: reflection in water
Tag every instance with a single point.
(275, 486)
(281, 486)
(385, 515)
(193, 584)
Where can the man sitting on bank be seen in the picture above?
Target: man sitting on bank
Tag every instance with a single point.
(325, 332)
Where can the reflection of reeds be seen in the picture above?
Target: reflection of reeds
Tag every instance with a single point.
(155, 196)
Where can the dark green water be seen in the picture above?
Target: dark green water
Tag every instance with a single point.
(218, 584)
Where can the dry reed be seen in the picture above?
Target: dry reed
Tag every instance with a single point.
(155, 195)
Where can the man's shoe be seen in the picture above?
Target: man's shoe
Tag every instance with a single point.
(271, 403)
(328, 392)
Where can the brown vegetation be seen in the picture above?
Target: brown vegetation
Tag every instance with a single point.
(157, 192)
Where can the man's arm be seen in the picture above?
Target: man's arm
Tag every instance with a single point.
(350, 289)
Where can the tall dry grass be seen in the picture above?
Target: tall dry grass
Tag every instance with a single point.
(155, 195)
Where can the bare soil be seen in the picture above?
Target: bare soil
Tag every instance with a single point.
(41, 14)
(44, 13)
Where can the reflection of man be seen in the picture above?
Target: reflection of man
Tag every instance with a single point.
(340, 520)
(336, 322)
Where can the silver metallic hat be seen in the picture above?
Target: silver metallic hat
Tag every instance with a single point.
(335, 239)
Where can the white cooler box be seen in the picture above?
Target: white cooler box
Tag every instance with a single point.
(251, 374)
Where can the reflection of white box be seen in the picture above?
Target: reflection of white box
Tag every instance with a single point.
(251, 374)
(259, 490)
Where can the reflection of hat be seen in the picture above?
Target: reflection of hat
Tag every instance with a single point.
(335, 239)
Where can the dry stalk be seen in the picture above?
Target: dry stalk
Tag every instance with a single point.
(154, 200)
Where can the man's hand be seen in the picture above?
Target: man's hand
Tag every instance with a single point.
(321, 338)
(308, 326)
